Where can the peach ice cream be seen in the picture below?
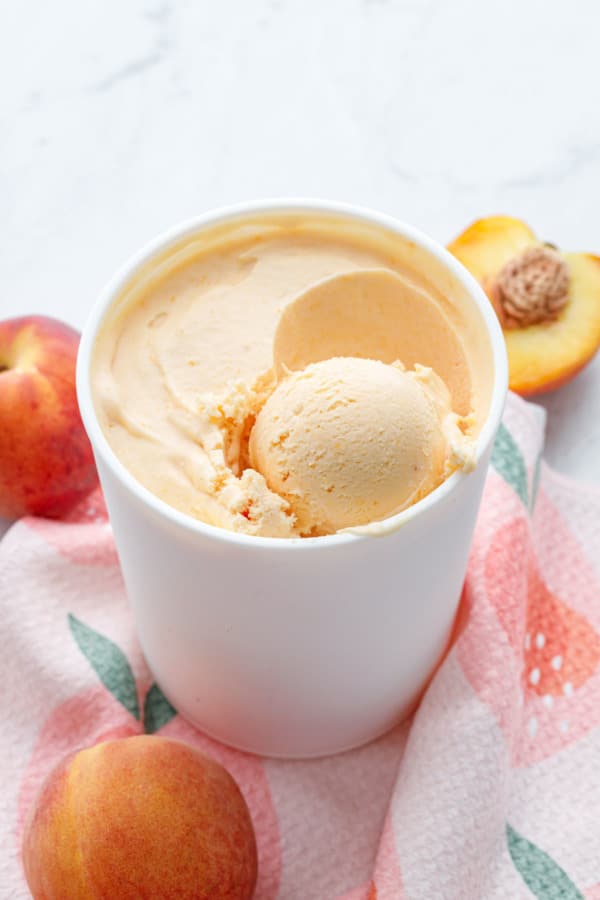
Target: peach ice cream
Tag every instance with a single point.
(289, 377)
(348, 441)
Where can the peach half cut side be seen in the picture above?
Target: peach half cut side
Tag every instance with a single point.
(546, 354)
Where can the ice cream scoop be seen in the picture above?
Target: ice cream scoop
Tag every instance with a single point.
(347, 441)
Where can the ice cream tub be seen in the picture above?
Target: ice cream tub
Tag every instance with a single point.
(297, 646)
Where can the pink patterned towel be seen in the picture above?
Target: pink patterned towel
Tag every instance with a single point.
(492, 790)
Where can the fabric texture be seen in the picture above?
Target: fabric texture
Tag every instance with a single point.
(490, 791)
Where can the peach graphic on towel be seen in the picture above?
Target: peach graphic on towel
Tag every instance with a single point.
(561, 674)
(561, 649)
(84, 536)
(543, 676)
(505, 578)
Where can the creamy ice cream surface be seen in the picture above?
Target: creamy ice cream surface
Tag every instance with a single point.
(348, 441)
(290, 377)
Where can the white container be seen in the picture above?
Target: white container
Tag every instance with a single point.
(295, 647)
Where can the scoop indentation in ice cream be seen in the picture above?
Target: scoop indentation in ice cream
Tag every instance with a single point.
(348, 314)
(349, 441)
(371, 313)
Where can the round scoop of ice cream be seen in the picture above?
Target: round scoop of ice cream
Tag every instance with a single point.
(349, 441)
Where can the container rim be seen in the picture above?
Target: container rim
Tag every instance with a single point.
(284, 205)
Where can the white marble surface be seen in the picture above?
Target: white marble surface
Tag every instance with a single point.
(118, 119)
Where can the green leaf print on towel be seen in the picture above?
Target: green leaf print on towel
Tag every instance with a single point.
(544, 878)
(157, 710)
(509, 463)
(109, 662)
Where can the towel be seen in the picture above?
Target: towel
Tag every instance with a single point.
(491, 791)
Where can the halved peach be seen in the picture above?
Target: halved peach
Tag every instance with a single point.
(554, 329)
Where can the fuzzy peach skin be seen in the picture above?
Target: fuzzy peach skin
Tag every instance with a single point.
(46, 461)
(544, 356)
(142, 816)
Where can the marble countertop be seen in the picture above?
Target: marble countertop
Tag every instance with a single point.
(120, 119)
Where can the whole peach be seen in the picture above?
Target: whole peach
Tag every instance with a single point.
(142, 816)
(46, 461)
